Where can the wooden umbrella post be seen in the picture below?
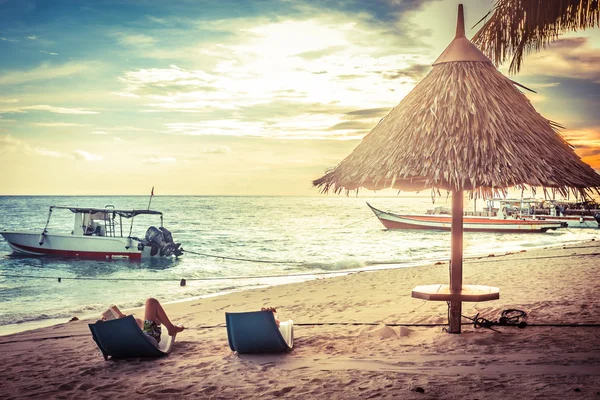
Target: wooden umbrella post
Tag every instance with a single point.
(456, 292)
(456, 261)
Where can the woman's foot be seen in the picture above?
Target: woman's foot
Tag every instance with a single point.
(175, 330)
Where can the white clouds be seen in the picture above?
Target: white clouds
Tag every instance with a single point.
(49, 53)
(303, 126)
(44, 72)
(99, 133)
(569, 57)
(59, 124)
(84, 155)
(283, 39)
(216, 150)
(160, 160)
(155, 81)
(8, 144)
(338, 61)
(8, 40)
(134, 40)
(47, 153)
(32, 37)
(45, 107)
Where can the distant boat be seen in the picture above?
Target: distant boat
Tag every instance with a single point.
(470, 223)
(548, 210)
(95, 235)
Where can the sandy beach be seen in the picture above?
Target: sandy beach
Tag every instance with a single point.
(553, 285)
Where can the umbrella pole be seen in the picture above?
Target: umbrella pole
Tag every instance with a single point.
(456, 260)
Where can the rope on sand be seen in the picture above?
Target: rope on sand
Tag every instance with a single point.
(478, 322)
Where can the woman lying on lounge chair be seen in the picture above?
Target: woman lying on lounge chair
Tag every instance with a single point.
(154, 316)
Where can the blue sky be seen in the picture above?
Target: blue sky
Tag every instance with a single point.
(233, 97)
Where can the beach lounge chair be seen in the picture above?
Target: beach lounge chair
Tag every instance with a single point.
(257, 332)
(123, 338)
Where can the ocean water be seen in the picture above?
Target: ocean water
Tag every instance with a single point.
(299, 238)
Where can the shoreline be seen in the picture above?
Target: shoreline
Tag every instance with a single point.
(557, 285)
(10, 329)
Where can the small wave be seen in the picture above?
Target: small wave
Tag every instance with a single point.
(20, 319)
(332, 266)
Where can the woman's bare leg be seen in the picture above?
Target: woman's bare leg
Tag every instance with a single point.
(155, 312)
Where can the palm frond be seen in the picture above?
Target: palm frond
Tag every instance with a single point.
(518, 27)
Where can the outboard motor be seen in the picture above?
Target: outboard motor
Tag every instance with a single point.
(162, 240)
(169, 239)
(597, 218)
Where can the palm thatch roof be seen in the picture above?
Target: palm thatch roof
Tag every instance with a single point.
(465, 126)
(521, 26)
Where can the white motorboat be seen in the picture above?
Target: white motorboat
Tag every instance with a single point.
(547, 210)
(97, 233)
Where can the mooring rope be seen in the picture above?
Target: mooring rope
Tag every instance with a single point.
(241, 259)
(182, 281)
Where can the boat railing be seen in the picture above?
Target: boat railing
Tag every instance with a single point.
(109, 221)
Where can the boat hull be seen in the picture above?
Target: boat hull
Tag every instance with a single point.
(470, 224)
(574, 221)
(65, 245)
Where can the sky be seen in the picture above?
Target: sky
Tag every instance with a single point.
(223, 97)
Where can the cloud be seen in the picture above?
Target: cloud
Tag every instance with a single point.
(130, 129)
(369, 113)
(569, 57)
(99, 133)
(47, 153)
(134, 40)
(160, 160)
(342, 62)
(32, 37)
(216, 150)
(414, 72)
(361, 125)
(45, 107)
(58, 124)
(8, 40)
(161, 21)
(162, 81)
(45, 72)
(8, 144)
(587, 144)
(46, 52)
(84, 155)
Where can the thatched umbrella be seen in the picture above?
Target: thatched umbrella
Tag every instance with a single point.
(464, 127)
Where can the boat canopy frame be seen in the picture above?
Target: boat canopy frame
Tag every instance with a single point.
(91, 210)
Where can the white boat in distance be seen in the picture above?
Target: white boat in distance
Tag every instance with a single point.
(95, 235)
(498, 224)
(548, 210)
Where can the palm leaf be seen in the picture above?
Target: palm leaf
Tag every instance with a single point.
(518, 27)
